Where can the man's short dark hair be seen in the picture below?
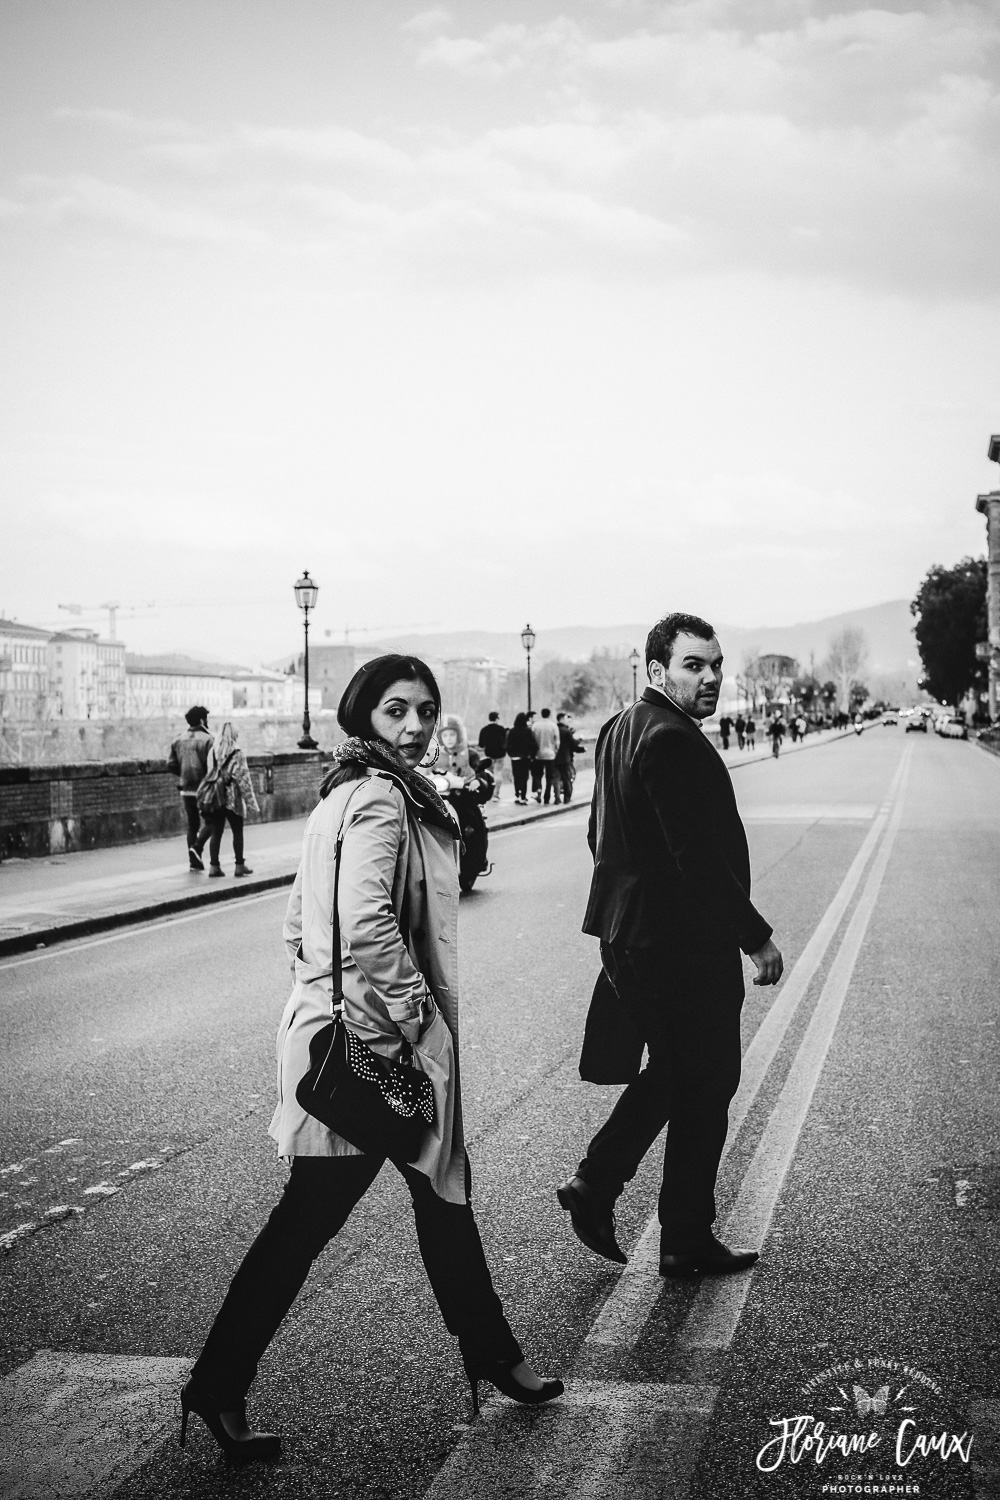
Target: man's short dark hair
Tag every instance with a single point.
(546, 712)
(196, 715)
(660, 640)
(494, 716)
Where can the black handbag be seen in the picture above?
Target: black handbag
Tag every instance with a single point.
(379, 1106)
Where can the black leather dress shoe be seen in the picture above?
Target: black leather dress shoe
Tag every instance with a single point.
(593, 1221)
(711, 1259)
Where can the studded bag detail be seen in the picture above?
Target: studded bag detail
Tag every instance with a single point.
(379, 1106)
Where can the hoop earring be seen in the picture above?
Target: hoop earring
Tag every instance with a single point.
(431, 754)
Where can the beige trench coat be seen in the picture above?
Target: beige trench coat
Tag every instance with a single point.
(391, 990)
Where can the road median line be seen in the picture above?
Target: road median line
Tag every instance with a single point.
(712, 1320)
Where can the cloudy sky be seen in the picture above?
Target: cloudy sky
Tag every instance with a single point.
(492, 311)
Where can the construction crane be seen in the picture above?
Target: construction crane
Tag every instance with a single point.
(112, 607)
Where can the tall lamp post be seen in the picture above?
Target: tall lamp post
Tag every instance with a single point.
(634, 658)
(527, 641)
(306, 594)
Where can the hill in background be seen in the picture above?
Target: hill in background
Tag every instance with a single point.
(887, 628)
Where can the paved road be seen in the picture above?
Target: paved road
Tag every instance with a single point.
(866, 1162)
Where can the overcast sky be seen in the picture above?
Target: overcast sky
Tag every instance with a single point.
(492, 311)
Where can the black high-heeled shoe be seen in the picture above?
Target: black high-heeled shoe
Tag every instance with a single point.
(498, 1373)
(238, 1450)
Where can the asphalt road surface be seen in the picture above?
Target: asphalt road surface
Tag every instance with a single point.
(863, 1160)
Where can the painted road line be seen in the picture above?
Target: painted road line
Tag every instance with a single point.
(599, 1441)
(626, 1312)
(71, 947)
(80, 1424)
(715, 1312)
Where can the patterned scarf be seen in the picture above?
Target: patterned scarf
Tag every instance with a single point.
(378, 756)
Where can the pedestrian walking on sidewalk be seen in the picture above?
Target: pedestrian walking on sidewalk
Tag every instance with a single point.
(188, 761)
(776, 729)
(569, 748)
(537, 769)
(751, 732)
(740, 727)
(230, 765)
(493, 744)
(397, 898)
(725, 730)
(521, 747)
(670, 902)
(546, 734)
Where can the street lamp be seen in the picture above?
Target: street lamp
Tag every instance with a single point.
(306, 594)
(634, 658)
(527, 641)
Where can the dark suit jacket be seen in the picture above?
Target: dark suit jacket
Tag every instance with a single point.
(671, 863)
(671, 866)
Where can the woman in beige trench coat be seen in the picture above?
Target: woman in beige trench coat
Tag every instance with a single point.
(398, 903)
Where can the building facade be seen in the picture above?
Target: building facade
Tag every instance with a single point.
(86, 675)
(165, 688)
(989, 506)
(24, 673)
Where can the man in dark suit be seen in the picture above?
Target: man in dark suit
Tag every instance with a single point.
(670, 902)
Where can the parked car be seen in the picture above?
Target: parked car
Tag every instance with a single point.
(916, 720)
(953, 727)
(890, 716)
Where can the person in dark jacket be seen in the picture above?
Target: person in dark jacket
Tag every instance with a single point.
(670, 902)
(188, 761)
(522, 748)
(493, 744)
(569, 747)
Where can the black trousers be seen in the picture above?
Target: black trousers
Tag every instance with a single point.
(690, 1020)
(318, 1198)
(520, 767)
(537, 775)
(553, 781)
(215, 827)
(193, 812)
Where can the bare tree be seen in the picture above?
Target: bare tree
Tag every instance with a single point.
(845, 661)
(748, 680)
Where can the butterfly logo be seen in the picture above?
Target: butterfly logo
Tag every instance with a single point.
(873, 1405)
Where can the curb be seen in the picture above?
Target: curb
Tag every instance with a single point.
(42, 937)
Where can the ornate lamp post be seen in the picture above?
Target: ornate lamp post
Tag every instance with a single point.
(306, 594)
(528, 641)
(634, 658)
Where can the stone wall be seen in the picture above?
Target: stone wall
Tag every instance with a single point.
(51, 809)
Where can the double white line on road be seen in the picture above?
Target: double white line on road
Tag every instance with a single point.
(669, 1442)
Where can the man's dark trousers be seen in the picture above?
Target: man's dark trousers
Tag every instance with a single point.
(688, 1012)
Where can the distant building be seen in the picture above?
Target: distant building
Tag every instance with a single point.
(330, 670)
(165, 687)
(86, 675)
(266, 691)
(24, 673)
(470, 681)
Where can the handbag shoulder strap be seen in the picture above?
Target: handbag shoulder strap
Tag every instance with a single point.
(337, 962)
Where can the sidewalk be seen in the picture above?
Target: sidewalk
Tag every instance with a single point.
(46, 901)
(65, 896)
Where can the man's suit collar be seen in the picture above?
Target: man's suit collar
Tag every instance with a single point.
(659, 699)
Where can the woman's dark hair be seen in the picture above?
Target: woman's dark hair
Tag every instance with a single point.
(366, 687)
(520, 721)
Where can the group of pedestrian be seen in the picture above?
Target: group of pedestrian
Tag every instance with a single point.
(542, 753)
(670, 904)
(216, 788)
(745, 730)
